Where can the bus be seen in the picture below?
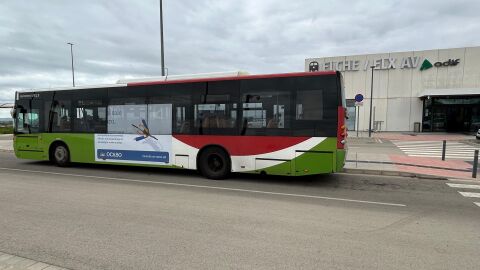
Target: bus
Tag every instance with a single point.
(289, 124)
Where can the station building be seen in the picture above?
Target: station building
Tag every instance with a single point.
(431, 91)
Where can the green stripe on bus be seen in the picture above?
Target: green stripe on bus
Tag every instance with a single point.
(322, 158)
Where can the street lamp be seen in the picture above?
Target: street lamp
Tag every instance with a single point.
(371, 102)
(71, 55)
(161, 38)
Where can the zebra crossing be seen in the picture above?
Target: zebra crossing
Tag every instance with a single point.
(454, 150)
(468, 191)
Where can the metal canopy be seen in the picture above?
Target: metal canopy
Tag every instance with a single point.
(6, 105)
(450, 92)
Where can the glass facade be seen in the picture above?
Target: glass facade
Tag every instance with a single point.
(451, 114)
(351, 114)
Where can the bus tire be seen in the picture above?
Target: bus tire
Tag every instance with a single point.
(60, 155)
(214, 163)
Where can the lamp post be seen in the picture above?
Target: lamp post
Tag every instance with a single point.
(71, 55)
(161, 38)
(371, 102)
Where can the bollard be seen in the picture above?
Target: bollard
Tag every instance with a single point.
(356, 160)
(475, 164)
(444, 149)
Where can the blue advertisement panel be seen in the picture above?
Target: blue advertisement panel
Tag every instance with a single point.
(105, 154)
(132, 148)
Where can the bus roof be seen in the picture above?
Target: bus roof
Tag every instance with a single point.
(72, 88)
(186, 78)
(175, 78)
(224, 78)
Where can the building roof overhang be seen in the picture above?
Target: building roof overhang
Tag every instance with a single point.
(449, 92)
(6, 105)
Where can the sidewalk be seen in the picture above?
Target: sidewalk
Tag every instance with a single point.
(378, 155)
(402, 165)
(8, 261)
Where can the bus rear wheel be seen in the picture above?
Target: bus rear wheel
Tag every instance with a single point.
(214, 163)
(60, 155)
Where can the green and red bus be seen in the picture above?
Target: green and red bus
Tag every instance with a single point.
(277, 124)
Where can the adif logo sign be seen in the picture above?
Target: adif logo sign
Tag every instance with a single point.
(427, 64)
(381, 64)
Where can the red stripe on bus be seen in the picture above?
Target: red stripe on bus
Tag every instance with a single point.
(242, 145)
(242, 77)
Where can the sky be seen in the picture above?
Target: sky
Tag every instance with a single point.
(120, 39)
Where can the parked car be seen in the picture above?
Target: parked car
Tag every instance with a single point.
(478, 135)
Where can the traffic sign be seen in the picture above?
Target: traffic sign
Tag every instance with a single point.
(358, 103)
(358, 97)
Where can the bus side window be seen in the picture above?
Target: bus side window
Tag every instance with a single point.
(33, 120)
(309, 105)
(27, 121)
(160, 119)
(266, 110)
(217, 115)
(90, 119)
(20, 125)
(59, 116)
(182, 125)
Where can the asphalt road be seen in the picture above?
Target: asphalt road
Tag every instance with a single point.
(107, 217)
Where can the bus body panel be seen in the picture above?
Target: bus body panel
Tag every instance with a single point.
(312, 156)
(280, 124)
(341, 159)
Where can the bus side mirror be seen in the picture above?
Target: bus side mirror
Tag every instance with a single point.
(13, 113)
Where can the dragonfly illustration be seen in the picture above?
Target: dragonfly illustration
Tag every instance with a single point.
(144, 131)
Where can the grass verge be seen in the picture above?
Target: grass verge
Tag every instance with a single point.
(6, 130)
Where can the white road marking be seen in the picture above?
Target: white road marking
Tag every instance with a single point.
(439, 156)
(454, 150)
(448, 152)
(470, 194)
(209, 187)
(477, 203)
(424, 142)
(463, 180)
(463, 186)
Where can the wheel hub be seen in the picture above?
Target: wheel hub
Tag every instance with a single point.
(60, 153)
(215, 163)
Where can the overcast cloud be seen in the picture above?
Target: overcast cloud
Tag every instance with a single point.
(120, 39)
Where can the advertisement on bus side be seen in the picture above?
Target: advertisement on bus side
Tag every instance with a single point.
(133, 148)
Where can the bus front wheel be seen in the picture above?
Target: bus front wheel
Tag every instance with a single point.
(214, 163)
(60, 155)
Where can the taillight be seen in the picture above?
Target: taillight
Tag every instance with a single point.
(341, 128)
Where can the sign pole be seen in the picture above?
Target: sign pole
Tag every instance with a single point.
(371, 101)
(358, 103)
(358, 119)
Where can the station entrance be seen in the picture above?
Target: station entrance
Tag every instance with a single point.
(451, 114)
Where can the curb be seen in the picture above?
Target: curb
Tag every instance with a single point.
(393, 173)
